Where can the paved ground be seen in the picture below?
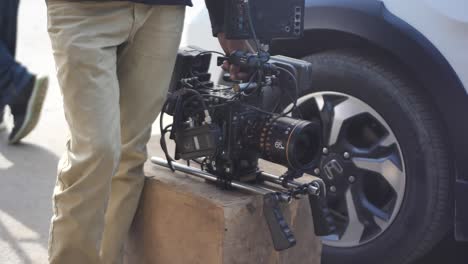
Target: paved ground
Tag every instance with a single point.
(27, 171)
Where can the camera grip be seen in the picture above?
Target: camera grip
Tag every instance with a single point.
(282, 236)
(323, 221)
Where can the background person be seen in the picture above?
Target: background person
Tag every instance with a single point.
(21, 90)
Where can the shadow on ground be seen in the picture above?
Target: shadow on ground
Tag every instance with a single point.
(27, 176)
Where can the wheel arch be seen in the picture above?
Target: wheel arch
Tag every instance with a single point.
(368, 25)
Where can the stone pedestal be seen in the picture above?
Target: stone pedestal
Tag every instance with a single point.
(184, 220)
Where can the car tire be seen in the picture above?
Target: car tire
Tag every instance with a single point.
(424, 214)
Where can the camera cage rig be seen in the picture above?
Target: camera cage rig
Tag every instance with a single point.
(196, 137)
(208, 117)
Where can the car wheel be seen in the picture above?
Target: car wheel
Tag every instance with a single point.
(384, 161)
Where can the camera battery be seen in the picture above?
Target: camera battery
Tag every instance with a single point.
(197, 142)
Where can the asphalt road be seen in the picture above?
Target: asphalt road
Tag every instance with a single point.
(28, 171)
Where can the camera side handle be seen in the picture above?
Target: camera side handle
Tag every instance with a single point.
(283, 237)
(323, 221)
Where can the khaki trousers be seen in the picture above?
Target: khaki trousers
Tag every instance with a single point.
(114, 62)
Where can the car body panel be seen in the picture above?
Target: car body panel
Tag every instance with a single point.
(443, 23)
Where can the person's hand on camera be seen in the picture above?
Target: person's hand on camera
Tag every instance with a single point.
(229, 46)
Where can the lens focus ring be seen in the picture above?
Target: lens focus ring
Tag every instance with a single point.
(291, 142)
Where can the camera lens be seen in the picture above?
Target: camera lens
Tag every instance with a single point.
(291, 142)
(304, 146)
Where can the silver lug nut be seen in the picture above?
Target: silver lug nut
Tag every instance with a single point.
(325, 151)
(332, 188)
(351, 179)
(346, 155)
(317, 171)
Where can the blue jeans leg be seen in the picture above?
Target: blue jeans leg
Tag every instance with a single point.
(13, 76)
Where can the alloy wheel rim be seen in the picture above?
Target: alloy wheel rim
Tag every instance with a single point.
(362, 166)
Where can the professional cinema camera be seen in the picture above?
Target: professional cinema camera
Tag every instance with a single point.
(225, 129)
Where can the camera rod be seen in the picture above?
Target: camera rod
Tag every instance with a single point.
(207, 176)
(236, 184)
(291, 184)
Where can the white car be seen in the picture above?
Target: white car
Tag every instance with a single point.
(390, 79)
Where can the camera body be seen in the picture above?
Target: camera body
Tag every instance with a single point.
(228, 128)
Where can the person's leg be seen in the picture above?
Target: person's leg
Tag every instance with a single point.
(13, 76)
(7, 9)
(145, 68)
(4, 6)
(85, 37)
(19, 89)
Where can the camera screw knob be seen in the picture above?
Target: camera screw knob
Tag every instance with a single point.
(325, 151)
(346, 155)
(332, 188)
(317, 171)
(351, 179)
